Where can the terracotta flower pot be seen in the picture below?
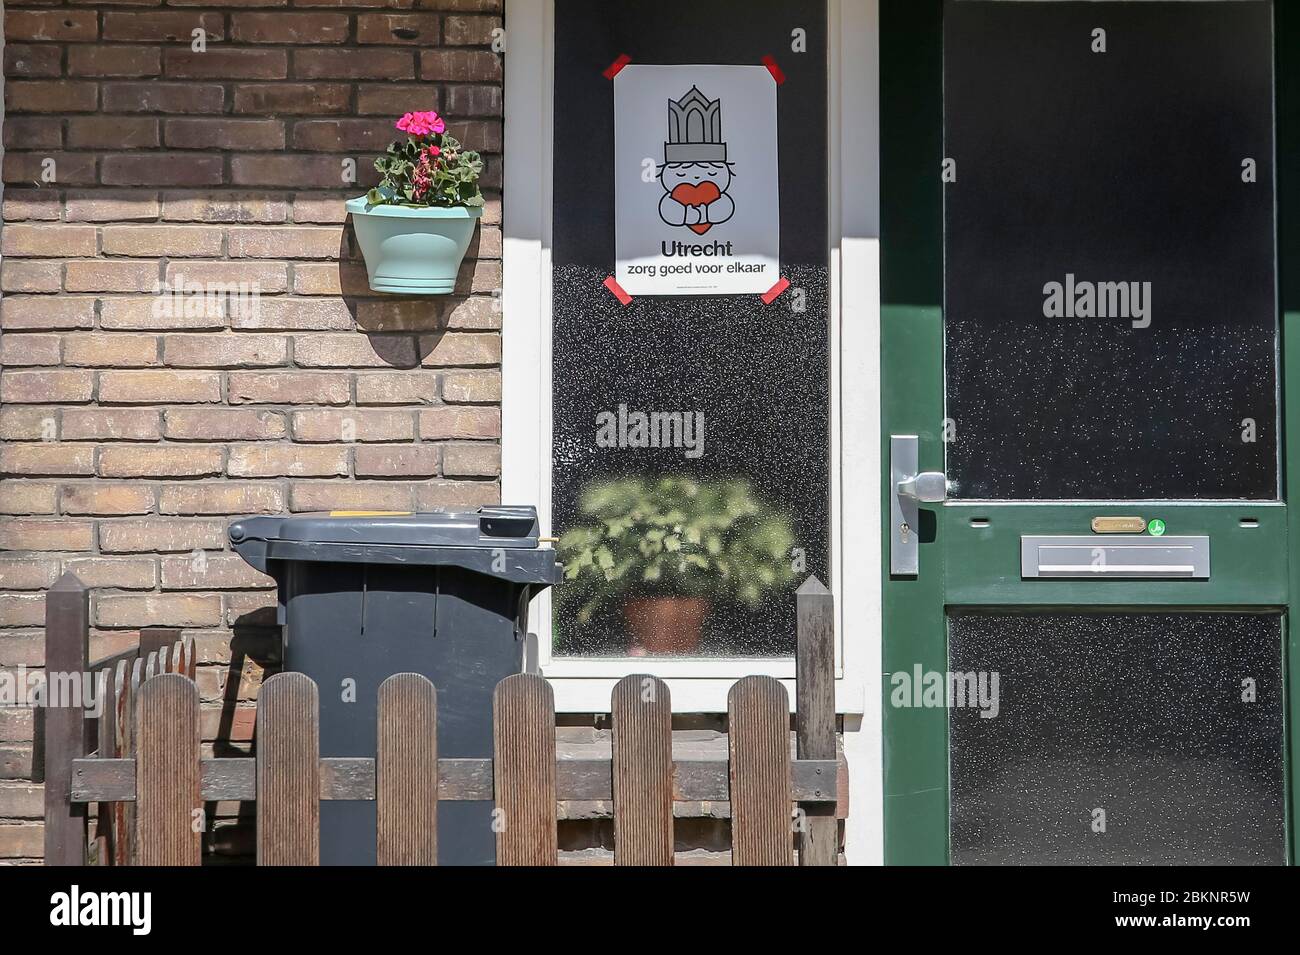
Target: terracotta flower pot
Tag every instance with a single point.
(665, 625)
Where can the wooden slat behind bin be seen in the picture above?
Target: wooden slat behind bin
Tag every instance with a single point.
(167, 771)
(288, 771)
(406, 771)
(523, 729)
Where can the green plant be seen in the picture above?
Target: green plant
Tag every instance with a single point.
(675, 536)
(428, 168)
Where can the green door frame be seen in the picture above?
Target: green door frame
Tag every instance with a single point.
(915, 745)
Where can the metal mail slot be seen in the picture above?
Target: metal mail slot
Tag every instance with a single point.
(1136, 555)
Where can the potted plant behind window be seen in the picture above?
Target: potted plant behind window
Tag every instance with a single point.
(415, 226)
(667, 549)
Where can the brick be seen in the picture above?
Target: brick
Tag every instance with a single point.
(29, 61)
(19, 800)
(224, 207)
(354, 351)
(471, 387)
(71, 169)
(287, 461)
(322, 208)
(468, 31)
(27, 573)
(47, 535)
(288, 388)
(169, 27)
(161, 536)
(290, 243)
(221, 64)
(50, 96)
(348, 425)
(355, 63)
(158, 312)
(397, 388)
(351, 495)
(293, 314)
(123, 573)
(411, 461)
(110, 351)
(45, 241)
(461, 349)
(389, 28)
(46, 458)
(110, 424)
(22, 800)
(297, 172)
(460, 66)
(173, 241)
(458, 421)
(158, 610)
(224, 351)
(46, 386)
(18, 841)
(33, 132)
(17, 275)
(296, 99)
(158, 97)
(161, 461)
(64, 312)
(112, 133)
(485, 135)
(27, 497)
(20, 204)
(222, 424)
(22, 610)
(98, 275)
(333, 279)
(473, 100)
(123, 62)
(29, 424)
(337, 135)
(107, 205)
(211, 572)
(471, 460)
(224, 133)
(393, 99)
(17, 350)
(166, 169)
(223, 498)
(63, 25)
(289, 28)
(153, 387)
(263, 277)
(455, 495)
(107, 499)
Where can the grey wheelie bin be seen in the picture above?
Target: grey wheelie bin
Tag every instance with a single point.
(362, 597)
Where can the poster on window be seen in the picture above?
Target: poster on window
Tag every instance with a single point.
(695, 180)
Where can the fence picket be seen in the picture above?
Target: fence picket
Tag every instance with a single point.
(406, 771)
(105, 748)
(121, 712)
(288, 771)
(758, 710)
(641, 714)
(523, 725)
(167, 771)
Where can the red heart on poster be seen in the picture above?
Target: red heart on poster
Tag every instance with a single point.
(697, 194)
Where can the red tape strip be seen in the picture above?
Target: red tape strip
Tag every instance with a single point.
(770, 63)
(611, 71)
(617, 291)
(772, 294)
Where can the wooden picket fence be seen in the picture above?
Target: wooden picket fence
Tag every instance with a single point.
(151, 781)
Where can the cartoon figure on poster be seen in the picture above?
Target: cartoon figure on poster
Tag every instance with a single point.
(695, 173)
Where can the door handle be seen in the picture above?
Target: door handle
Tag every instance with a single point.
(908, 487)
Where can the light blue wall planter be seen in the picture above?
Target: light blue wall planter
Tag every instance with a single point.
(413, 251)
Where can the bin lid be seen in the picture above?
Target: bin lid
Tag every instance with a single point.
(500, 541)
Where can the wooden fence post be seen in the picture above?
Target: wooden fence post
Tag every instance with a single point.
(67, 636)
(167, 771)
(818, 832)
(406, 771)
(288, 771)
(641, 712)
(523, 771)
(758, 736)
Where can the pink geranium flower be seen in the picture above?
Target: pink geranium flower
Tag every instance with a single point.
(422, 123)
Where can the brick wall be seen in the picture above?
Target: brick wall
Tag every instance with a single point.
(132, 432)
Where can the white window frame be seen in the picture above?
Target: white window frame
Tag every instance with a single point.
(701, 684)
